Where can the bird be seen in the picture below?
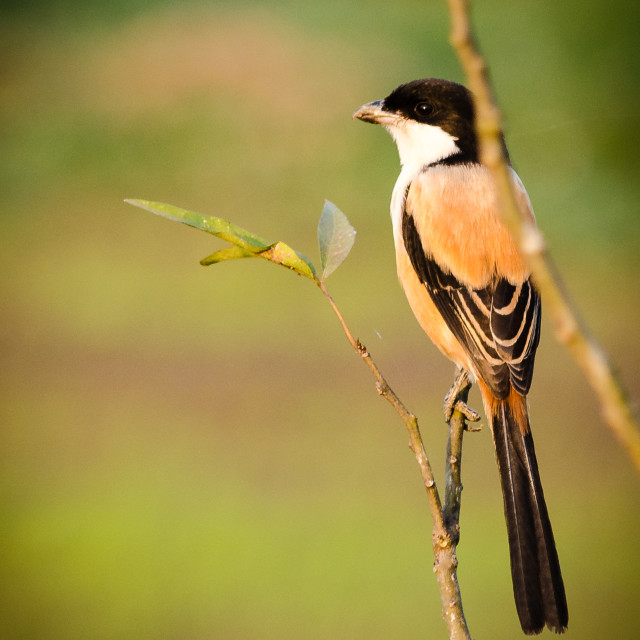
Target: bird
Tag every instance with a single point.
(472, 293)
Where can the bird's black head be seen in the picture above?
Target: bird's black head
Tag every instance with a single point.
(439, 103)
(435, 103)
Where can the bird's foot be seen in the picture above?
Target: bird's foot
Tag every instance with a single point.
(456, 397)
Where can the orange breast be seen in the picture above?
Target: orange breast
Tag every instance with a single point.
(454, 209)
(456, 215)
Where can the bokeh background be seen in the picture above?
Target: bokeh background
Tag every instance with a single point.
(197, 453)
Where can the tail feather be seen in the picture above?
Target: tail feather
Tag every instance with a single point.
(537, 581)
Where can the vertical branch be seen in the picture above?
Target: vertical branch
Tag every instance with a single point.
(454, 616)
(453, 475)
(568, 330)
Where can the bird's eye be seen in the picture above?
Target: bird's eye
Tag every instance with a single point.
(423, 109)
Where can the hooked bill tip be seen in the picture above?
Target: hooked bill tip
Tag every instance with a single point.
(370, 112)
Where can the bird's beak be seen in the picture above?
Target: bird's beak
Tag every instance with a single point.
(374, 112)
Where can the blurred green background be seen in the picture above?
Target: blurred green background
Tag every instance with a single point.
(197, 453)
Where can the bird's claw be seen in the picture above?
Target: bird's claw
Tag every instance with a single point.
(453, 402)
(470, 414)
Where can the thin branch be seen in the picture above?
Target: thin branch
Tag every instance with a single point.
(568, 328)
(454, 616)
(453, 477)
(445, 527)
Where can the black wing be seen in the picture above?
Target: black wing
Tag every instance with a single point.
(498, 326)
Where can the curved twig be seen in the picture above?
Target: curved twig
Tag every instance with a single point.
(445, 522)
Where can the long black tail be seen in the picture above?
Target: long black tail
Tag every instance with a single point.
(537, 581)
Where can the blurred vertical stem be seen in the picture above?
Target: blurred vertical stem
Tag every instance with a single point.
(568, 330)
(445, 522)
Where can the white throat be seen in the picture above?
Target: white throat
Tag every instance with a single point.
(419, 145)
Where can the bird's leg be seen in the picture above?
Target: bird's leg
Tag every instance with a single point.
(453, 400)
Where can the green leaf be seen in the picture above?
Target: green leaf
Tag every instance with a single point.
(335, 236)
(216, 226)
(245, 244)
